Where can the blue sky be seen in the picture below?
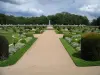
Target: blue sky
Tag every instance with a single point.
(89, 8)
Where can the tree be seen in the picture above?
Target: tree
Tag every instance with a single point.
(94, 22)
(98, 21)
(59, 18)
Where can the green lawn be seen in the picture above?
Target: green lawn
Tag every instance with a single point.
(15, 57)
(76, 56)
(8, 36)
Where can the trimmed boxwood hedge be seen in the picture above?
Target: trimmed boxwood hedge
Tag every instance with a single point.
(90, 46)
(4, 48)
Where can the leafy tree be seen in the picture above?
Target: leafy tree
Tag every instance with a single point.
(96, 22)
(59, 18)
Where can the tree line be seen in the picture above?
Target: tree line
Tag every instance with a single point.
(96, 22)
(64, 18)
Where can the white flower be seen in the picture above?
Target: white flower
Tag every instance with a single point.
(78, 48)
(74, 44)
(68, 39)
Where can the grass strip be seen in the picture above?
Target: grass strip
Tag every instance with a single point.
(76, 56)
(19, 53)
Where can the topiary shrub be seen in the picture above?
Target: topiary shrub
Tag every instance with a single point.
(23, 41)
(77, 40)
(20, 32)
(90, 46)
(15, 40)
(67, 35)
(4, 48)
(29, 34)
(14, 30)
(60, 32)
(37, 31)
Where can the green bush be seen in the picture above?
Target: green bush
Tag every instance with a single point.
(60, 31)
(4, 48)
(20, 32)
(58, 28)
(14, 29)
(90, 46)
(29, 34)
(76, 40)
(67, 35)
(37, 31)
(15, 40)
(23, 41)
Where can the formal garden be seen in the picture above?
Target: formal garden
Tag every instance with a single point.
(15, 41)
(82, 43)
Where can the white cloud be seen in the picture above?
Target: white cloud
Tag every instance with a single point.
(22, 10)
(15, 1)
(92, 10)
(89, 8)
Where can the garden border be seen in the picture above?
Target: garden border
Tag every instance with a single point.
(15, 57)
(76, 59)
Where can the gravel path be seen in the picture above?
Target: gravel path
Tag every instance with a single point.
(47, 57)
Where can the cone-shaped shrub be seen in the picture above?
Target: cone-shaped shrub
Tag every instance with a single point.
(90, 46)
(29, 34)
(4, 48)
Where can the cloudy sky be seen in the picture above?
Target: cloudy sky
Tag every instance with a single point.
(90, 8)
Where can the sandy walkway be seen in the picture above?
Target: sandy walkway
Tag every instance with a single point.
(47, 57)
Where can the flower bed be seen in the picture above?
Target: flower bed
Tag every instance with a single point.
(72, 42)
(17, 55)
